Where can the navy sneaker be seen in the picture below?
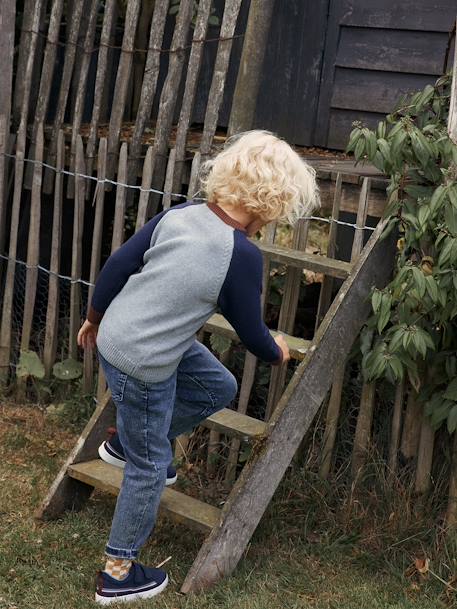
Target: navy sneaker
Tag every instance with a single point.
(141, 582)
(111, 451)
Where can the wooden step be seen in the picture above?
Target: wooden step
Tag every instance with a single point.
(180, 507)
(219, 325)
(235, 424)
(302, 260)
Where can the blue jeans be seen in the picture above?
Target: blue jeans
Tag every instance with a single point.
(149, 416)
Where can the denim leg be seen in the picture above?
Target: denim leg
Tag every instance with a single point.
(144, 412)
(203, 386)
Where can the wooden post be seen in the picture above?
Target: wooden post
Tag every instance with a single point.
(100, 81)
(70, 53)
(452, 119)
(292, 418)
(424, 456)
(190, 88)
(411, 426)
(216, 91)
(396, 427)
(23, 55)
(52, 312)
(33, 243)
(451, 514)
(7, 20)
(143, 204)
(121, 194)
(250, 70)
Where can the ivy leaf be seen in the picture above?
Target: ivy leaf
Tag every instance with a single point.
(452, 419)
(29, 365)
(432, 288)
(437, 198)
(67, 370)
(219, 344)
(451, 391)
(384, 311)
(419, 280)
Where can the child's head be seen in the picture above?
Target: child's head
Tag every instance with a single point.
(261, 173)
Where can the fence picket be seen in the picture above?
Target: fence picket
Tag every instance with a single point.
(52, 312)
(143, 204)
(121, 194)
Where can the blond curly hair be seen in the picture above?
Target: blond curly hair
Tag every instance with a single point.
(261, 172)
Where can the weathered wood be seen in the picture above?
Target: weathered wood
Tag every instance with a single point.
(7, 311)
(219, 75)
(250, 365)
(190, 88)
(47, 73)
(121, 195)
(52, 311)
(396, 428)
(219, 325)
(70, 53)
(325, 296)
(214, 441)
(145, 25)
(82, 88)
(452, 119)
(302, 260)
(411, 426)
(23, 58)
(362, 436)
(424, 456)
(180, 507)
(146, 179)
(96, 251)
(250, 70)
(331, 423)
(292, 418)
(76, 251)
(100, 80)
(149, 85)
(7, 23)
(122, 82)
(194, 173)
(235, 424)
(168, 185)
(68, 493)
(287, 315)
(33, 243)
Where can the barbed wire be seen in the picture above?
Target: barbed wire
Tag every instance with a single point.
(94, 49)
(138, 187)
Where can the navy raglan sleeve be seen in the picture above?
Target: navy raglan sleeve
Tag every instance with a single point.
(239, 300)
(125, 261)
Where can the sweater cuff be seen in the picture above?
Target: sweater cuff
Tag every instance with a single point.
(94, 316)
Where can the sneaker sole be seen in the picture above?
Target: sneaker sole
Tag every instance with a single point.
(107, 600)
(107, 458)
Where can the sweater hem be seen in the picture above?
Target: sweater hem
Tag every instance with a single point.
(147, 374)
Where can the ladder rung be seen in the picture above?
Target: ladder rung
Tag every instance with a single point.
(219, 325)
(234, 423)
(183, 508)
(310, 262)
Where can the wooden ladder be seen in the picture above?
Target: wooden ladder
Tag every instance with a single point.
(274, 442)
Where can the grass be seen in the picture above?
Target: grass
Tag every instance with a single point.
(309, 552)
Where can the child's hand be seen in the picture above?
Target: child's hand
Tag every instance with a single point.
(280, 341)
(87, 335)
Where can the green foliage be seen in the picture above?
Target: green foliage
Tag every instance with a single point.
(29, 365)
(68, 370)
(219, 344)
(412, 332)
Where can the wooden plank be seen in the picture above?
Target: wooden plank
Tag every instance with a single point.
(70, 53)
(183, 508)
(67, 493)
(411, 426)
(47, 73)
(235, 424)
(421, 15)
(168, 185)
(149, 85)
(146, 179)
(395, 429)
(373, 91)
(303, 260)
(100, 80)
(52, 310)
(76, 251)
(23, 55)
(194, 186)
(219, 325)
(287, 315)
(341, 122)
(190, 88)
(410, 52)
(452, 119)
(221, 65)
(122, 82)
(121, 195)
(8, 291)
(292, 418)
(81, 88)
(33, 243)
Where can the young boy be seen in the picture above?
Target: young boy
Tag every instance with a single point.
(151, 297)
